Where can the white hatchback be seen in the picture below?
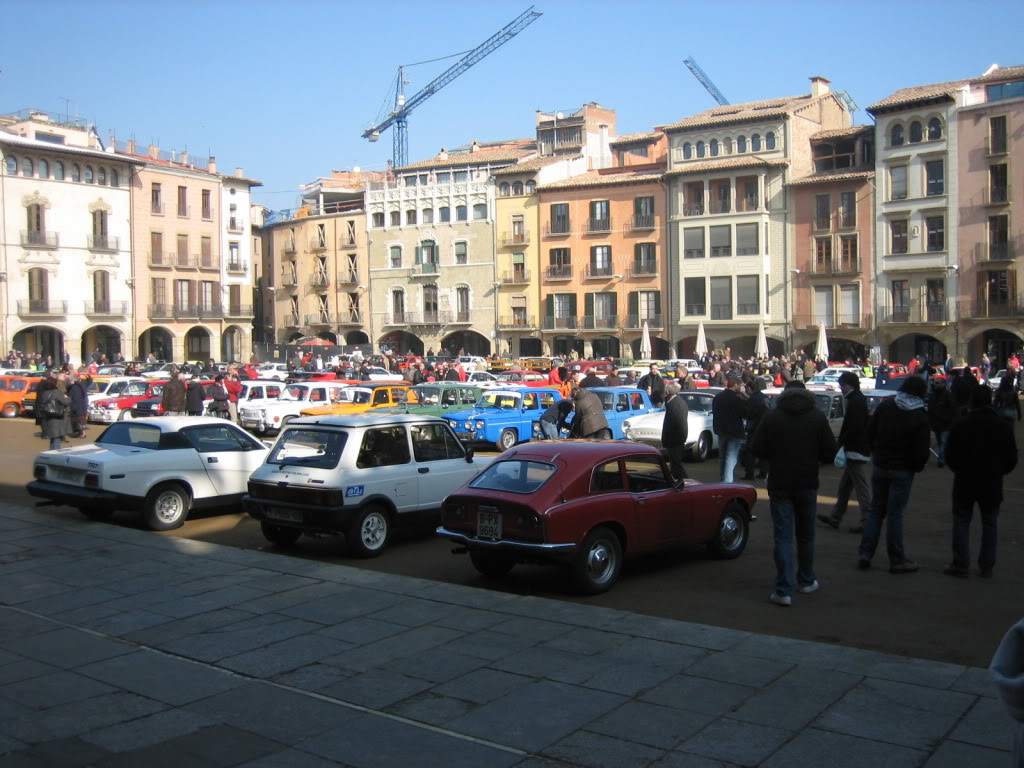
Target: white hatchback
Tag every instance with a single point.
(701, 439)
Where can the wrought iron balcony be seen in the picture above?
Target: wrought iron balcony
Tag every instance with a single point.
(102, 243)
(693, 209)
(348, 277)
(237, 268)
(523, 322)
(351, 317)
(319, 280)
(511, 239)
(289, 247)
(694, 253)
(159, 259)
(558, 227)
(396, 318)
(721, 311)
(643, 269)
(600, 322)
(1004, 251)
(236, 225)
(289, 280)
(636, 322)
(33, 239)
(239, 310)
(695, 310)
(990, 307)
(349, 241)
(39, 308)
(427, 269)
(559, 272)
(831, 321)
(423, 318)
(998, 195)
(721, 250)
(516, 277)
(106, 308)
(599, 225)
(212, 311)
(822, 224)
(720, 206)
(321, 318)
(995, 145)
(561, 323)
(290, 320)
(746, 204)
(837, 265)
(184, 261)
(174, 312)
(316, 244)
(644, 221)
(595, 272)
(208, 262)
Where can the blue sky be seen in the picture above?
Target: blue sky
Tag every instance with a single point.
(285, 89)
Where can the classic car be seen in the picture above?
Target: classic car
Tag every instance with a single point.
(601, 368)
(522, 379)
(436, 399)
(621, 404)
(876, 396)
(472, 363)
(107, 410)
(277, 371)
(269, 415)
(14, 392)
(104, 387)
(503, 416)
(828, 379)
(364, 397)
(482, 379)
(28, 399)
(164, 467)
(586, 504)
(701, 439)
(357, 476)
(163, 371)
(996, 379)
(830, 402)
(153, 404)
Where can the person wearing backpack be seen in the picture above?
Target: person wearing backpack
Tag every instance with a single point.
(54, 409)
(1006, 401)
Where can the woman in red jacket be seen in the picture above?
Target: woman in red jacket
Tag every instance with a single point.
(233, 386)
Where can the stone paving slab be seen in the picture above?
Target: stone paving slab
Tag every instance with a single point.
(122, 648)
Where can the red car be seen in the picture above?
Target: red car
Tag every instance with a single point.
(112, 409)
(585, 504)
(600, 367)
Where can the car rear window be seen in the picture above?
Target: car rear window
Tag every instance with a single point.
(132, 435)
(516, 476)
(318, 448)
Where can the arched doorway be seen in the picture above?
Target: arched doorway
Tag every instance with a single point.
(197, 344)
(841, 350)
(605, 346)
(687, 346)
(101, 340)
(328, 336)
(744, 346)
(566, 345)
(401, 343)
(293, 337)
(231, 345)
(472, 342)
(902, 349)
(157, 342)
(660, 348)
(357, 337)
(998, 344)
(41, 340)
(530, 347)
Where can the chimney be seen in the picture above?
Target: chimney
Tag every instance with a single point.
(474, 147)
(111, 141)
(131, 148)
(183, 159)
(819, 86)
(211, 165)
(239, 172)
(153, 152)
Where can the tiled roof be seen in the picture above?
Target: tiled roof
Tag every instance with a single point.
(908, 96)
(841, 133)
(597, 179)
(532, 164)
(735, 113)
(826, 176)
(1001, 73)
(637, 138)
(727, 164)
(46, 146)
(480, 157)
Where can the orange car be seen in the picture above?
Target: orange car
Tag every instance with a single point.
(366, 397)
(13, 394)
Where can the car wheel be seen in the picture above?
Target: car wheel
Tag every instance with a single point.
(166, 507)
(598, 562)
(282, 535)
(732, 533)
(369, 533)
(494, 565)
(11, 410)
(702, 449)
(97, 513)
(125, 415)
(507, 439)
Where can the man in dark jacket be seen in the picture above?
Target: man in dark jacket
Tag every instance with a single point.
(613, 379)
(795, 438)
(555, 418)
(728, 410)
(195, 393)
(854, 442)
(941, 413)
(675, 429)
(654, 385)
(591, 379)
(173, 399)
(757, 407)
(589, 421)
(686, 382)
(899, 439)
(79, 403)
(980, 450)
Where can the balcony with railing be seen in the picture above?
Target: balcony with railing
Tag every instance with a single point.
(641, 222)
(289, 248)
(158, 259)
(603, 224)
(396, 318)
(636, 322)
(600, 322)
(209, 263)
(316, 244)
(822, 224)
(213, 310)
(846, 219)
(174, 312)
(992, 307)
(599, 272)
(643, 269)
(184, 211)
(512, 239)
(559, 272)
(103, 243)
(999, 251)
(156, 207)
(290, 320)
(319, 280)
(997, 195)
(557, 227)
(458, 317)
(289, 280)
(347, 241)
(559, 323)
(351, 317)
(721, 250)
(694, 208)
(515, 277)
(836, 265)
(42, 308)
(832, 321)
(423, 318)
(184, 261)
(35, 239)
(321, 318)
(106, 308)
(918, 312)
(236, 225)
(995, 145)
(239, 310)
(694, 253)
(747, 204)
(348, 277)
(720, 205)
(427, 269)
(237, 268)
(522, 322)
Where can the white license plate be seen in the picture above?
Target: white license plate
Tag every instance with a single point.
(70, 476)
(289, 515)
(488, 523)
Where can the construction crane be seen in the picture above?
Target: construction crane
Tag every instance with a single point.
(399, 116)
(704, 80)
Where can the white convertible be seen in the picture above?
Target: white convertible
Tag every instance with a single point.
(271, 414)
(700, 436)
(164, 467)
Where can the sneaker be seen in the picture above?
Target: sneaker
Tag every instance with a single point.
(827, 520)
(863, 564)
(907, 566)
(808, 588)
(778, 599)
(952, 570)
(856, 529)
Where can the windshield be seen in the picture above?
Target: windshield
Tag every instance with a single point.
(824, 403)
(511, 376)
(308, 448)
(136, 388)
(697, 403)
(502, 400)
(96, 387)
(357, 396)
(156, 390)
(515, 475)
(132, 435)
(421, 396)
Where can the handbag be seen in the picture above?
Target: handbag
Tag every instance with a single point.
(840, 459)
(52, 408)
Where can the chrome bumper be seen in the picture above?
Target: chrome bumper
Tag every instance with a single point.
(461, 538)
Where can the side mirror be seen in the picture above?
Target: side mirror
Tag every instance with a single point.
(469, 454)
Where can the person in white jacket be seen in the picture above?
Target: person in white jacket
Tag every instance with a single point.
(1007, 669)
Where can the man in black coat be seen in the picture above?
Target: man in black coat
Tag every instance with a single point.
(591, 379)
(757, 407)
(675, 429)
(854, 442)
(79, 403)
(654, 385)
(795, 438)
(728, 410)
(941, 413)
(981, 449)
(899, 440)
(195, 394)
(613, 379)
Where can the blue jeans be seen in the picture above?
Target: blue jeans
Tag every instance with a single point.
(549, 430)
(793, 513)
(890, 493)
(963, 510)
(940, 446)
(728, 456)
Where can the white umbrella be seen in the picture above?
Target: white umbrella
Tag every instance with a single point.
(702, 342)
(761, 347)
(822, 349)
(645, 343)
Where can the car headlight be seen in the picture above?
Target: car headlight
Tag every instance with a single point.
(626, 425)
(263, 413)
(479, 424)
(468, 425)
(112, 407)
(39, 472)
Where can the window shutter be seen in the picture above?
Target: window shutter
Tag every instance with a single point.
(588, 304)
(982, 280)
(657, 302)
(550, 303)
(419, 255)
(572, 304)
(1011, 285)
(633, 300)
(615, 305)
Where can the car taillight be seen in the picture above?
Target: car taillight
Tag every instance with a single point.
(92, 480)
(39, 472)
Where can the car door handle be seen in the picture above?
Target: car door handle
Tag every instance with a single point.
(641, 499)
(212, 459)
(423, 470)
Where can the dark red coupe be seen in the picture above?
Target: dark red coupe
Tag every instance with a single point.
(586, 504)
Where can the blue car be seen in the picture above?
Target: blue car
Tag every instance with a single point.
(620, 403)
(503, 416)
